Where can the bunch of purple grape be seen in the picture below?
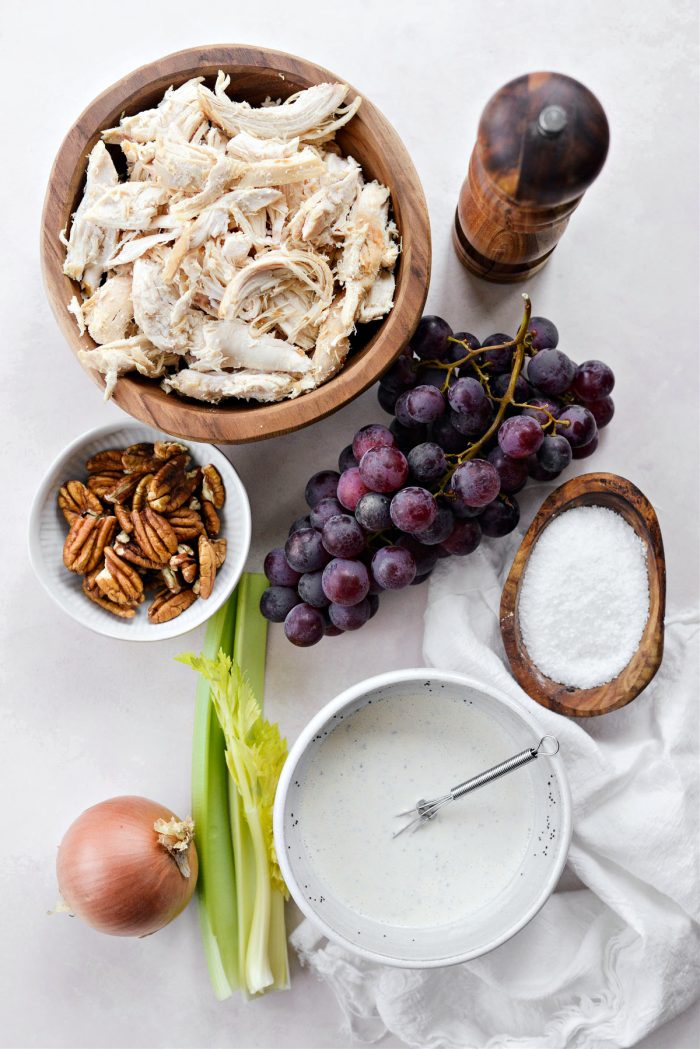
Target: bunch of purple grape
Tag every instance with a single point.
(472, 421)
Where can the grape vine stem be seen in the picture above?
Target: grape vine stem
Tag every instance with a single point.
(520, 342)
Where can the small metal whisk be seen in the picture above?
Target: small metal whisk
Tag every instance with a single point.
(424, 810)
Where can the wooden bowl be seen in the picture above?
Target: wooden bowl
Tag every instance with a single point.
(616, 493)
(256, 73)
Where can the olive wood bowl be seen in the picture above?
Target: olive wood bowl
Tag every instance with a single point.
(616, 493)
(256, 73)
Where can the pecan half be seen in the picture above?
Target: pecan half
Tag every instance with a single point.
(187, 524)
(123, 489)
(75, 499)
(118, 581)
(133, 553)
(141, 492)
(139, 459)
(169, 488)
(95, 594)
(166, 606)
(124, 518)
(184, 562)
(212, 486)
(170, 579)
(219, 546)
(109, 461)
(154, 534)
(210, 518)
(103, 482)
(167, 449)
(86, 541)
(207, 568)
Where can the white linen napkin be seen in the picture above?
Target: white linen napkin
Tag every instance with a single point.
(615, 952)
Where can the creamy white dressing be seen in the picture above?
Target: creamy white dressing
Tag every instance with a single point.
(380, 761)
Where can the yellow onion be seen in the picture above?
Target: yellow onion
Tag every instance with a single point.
(127, 866)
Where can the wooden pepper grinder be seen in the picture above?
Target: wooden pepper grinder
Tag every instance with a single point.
(542, 141)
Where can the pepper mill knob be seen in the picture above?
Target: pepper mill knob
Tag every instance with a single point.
(542, 141)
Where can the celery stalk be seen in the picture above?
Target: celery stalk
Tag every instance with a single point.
(254, 753)
(210, 778)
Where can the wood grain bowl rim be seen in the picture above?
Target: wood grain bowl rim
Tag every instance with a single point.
(622, 495)
(143, 398)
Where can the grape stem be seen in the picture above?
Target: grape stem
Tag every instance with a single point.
(521, 343)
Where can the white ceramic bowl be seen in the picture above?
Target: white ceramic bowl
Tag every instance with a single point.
(484, 929)
(48, 529)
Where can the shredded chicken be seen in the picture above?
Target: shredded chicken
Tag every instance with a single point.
(239, 253)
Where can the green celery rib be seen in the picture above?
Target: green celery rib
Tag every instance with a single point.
(210, 811)
(262, 955)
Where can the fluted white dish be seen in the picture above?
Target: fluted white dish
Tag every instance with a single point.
(48, 530)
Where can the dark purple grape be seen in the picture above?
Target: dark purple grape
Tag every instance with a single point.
(460, 509)
(456, 352)
(323, 511)
(373, 602)
(467, 395)
(577, 424)
(602, 411)
(498, 360)
(311, 590)
(401, 411)
(425, 557)
(277, 601)
(401, 376)
(535, 406)
(476, 482)
(594, 381)
(342, 536)
(439, 530)
(373, 436)
(538, 472)
(346, 617)
(304, 626)
(513, 472)
(465, 537)
(554, 453)
(551, 371)
(413, 509)
(346, 459)
(408, 437)
(351, 488)
(345, 582)
(304, 550)
(545, 333)
(424, 404)
(520, 436)
(427, 462)
(278, 570)
(584, 450)
(500, 517)
(450, 439)
(372, 512)
(473, 424)
(320, 486)
(301, 522)
(387, 400)
(393, 567)
(429, 340)
(329, 628)
(383, 469)
(521, 393)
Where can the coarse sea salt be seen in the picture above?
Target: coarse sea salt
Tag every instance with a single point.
(584, 599)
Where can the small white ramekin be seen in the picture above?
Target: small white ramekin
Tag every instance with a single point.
(484, 929)
(48, 530)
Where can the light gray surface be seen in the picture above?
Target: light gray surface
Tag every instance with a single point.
(83, 717)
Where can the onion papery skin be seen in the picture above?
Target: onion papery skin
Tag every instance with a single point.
(113, 873)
